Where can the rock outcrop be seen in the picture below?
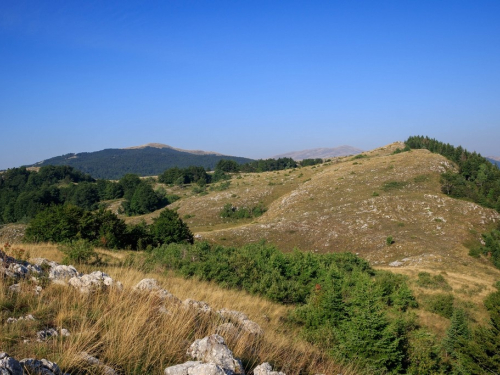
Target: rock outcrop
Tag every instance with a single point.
(242, 321)
(152, 286)
(27, 366)
(95, 281)
(213, 349)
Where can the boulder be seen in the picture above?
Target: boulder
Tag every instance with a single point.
(213, 349)
(93, 361)
(208, 369)
(181, 369)
(94, 281)
(40, 367)
(147, 285)
(151, 285)
(242, 320)
(60, 274)
(9, 365)
(266, 369)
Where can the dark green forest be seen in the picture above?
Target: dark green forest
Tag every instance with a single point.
(113, 164)
(25, 193)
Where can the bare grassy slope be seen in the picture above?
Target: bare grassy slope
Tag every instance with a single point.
(352, 205)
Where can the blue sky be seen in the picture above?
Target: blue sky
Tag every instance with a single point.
(246, 78)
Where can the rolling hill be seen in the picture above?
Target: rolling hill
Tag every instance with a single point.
(147, 160)
(350, 204)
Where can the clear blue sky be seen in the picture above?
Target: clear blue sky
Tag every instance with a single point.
(247, 78)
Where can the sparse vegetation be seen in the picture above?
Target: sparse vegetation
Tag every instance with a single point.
(393, 185)
(426, 280)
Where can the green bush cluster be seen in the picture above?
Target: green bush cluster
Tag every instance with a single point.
(426, 280)
(232, 212)
(344, 305)
(65, 223)
(309, 162)
(79, 251)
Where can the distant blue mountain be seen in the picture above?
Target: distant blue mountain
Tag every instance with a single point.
(495, 161)
(147, 160)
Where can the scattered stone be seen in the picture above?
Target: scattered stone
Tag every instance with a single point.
(266, 369)
(65, 332)
(213, 349)
(14, 320)
(396, 264)
(16, 288)
(46, 334)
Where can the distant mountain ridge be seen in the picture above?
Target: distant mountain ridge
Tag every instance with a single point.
(161, 145)
(322, 153)
(147, 160)
(494, 159)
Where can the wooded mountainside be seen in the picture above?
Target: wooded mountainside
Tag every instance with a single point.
(113, 164)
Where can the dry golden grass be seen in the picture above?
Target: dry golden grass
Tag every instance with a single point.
(127, 331)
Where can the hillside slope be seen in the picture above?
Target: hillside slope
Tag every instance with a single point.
(351, 204)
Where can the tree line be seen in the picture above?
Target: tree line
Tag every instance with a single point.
(477, 178)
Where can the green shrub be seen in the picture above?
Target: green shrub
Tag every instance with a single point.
(232, 212)
(389, 241)
(393, 185)
(79, 252)
(441, 304)
(426, 280)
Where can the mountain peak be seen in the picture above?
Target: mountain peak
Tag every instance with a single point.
(161, 145)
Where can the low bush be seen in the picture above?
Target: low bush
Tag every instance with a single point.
(79, 252)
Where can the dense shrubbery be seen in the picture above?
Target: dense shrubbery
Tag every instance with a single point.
(491, 246)
(350, 310)
(66, 223)
(345, 306)
(25, 193)
(232, 212)
(267, 165)
(308, 162)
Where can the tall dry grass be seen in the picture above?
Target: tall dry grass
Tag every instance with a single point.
(129, 331)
